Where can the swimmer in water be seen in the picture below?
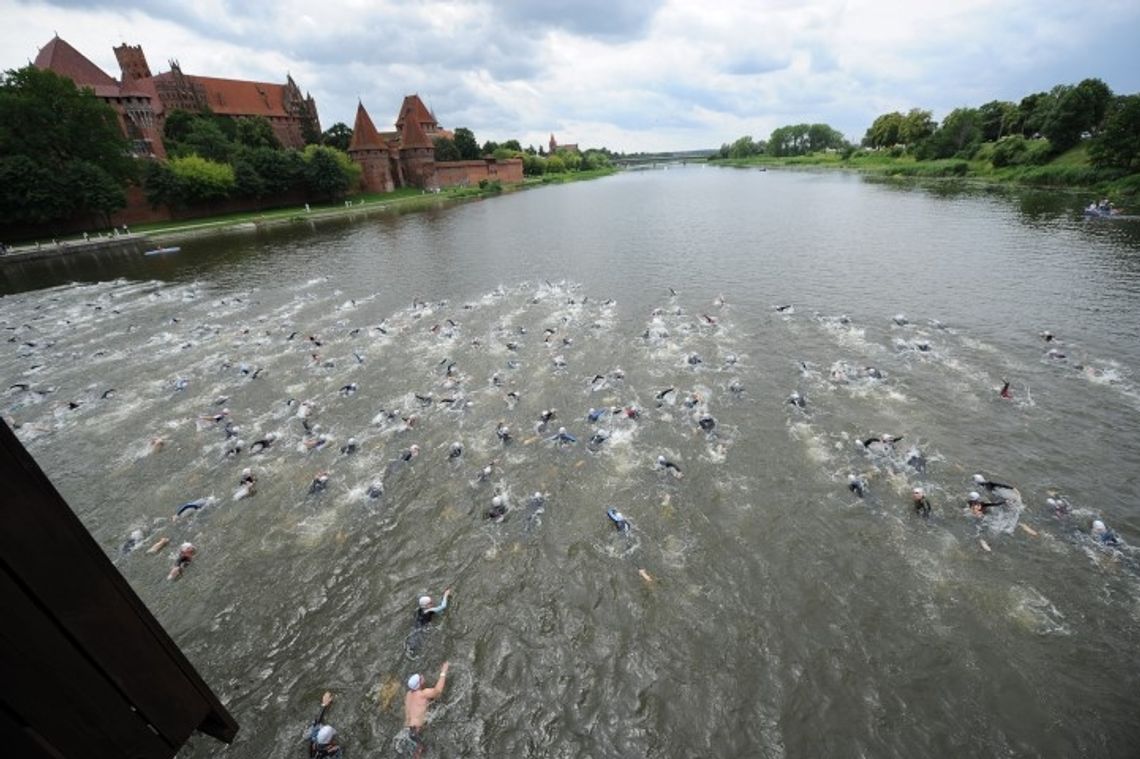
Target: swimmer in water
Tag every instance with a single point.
(882, 442)
(663, 396)
(215, 418)
(916, 459)
(264, 444)
(990, 486)
(375, 489)
(133, 541)
(621, 524)
(319, 483)
(631, 412)
(707, 422)
(503, 432)
(416, 704)
(350, 447)
(784, 308)
(195, 505)
(600, 436)
(247, 485)
(593, 415)
(797, 400)
(1005, 392)
(455, 451)
(426, 613)
(186, 553)
(562, 437)
(857, 485)
(666, 465)
(349, 389)
(321, 736)
(977, 506)
(410, 453)
(872, 372)
(498, 510)
(1061, 508)
(921, 503)
(1103, 535)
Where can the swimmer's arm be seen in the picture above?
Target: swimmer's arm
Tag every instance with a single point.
(437, 690)
(443, 603)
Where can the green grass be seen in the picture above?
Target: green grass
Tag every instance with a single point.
(1070, 170)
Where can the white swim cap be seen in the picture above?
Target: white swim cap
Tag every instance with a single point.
(979, 479)
(497, 501)
(1051, 501)
(352, 441)
(226, 411)
(851, 478)
(415, 448)
(325, 735)
(592, 410)
(561, 430)
(415, 681)
(660, 459)
(425, 600)
(1098, 526)
(975, 496)
(919, 492)
(186, 547)
(537, 494)
(246, 472)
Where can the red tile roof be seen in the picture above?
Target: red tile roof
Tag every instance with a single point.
(412, 135)
(236, 97)
(364, 134)
(63, 59)
(415, 109)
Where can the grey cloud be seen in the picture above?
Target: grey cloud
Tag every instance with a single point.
(603, 19)
(754, 63)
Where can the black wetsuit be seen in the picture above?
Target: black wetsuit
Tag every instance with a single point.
(922, 507)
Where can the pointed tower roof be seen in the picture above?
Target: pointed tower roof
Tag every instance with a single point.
(413, 109)
(412, 135)
(63, 59)
(364, 134)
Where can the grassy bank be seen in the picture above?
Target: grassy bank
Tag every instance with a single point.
(1070, 170)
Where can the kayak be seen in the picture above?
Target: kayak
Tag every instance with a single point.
(161, 251)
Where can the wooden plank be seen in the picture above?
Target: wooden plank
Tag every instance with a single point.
(59, 564)
(60, 695)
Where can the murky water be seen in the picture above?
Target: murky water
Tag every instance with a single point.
(783, 615)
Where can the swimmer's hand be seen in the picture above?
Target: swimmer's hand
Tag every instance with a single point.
(444, 668)
(327, 698)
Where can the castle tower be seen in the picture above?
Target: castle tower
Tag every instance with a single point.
(370, 152)
(133, 63)
(553, 145)
(417, 155)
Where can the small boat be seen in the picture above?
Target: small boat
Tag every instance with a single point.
(162, 251)
(1101, 211)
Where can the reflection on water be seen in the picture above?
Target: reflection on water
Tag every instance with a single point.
(757, 607)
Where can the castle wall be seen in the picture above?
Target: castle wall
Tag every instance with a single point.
(375, 175)
(466, 173)
(418, 166)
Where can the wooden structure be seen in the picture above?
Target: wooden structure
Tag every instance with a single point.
(87, 671)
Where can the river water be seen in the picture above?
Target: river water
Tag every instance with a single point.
(758, 607)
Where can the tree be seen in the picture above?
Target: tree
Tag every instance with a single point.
(959, 135)
(465, 142)
(916, 126)
(512, 145)
(1032, 111)
(204, 137)
(994, 116)
(533, 165)
(445, 149)
(743, 147)
(885, 131)
(489, 148)
(555, 165)
(61, 147)
(1118, 143)
(1075, 111)
(256, 132)
(338, 136)
(200, 180)
(329, 173)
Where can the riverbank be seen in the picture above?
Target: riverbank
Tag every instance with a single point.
(1070, 170)
(407, 200)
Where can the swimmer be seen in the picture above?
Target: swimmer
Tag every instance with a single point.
(425, 612)
(536, 505)
(990, 486)
(784, 309)
(232, 430)
(666, 465)
(631, 412)
(349, 389)
(707, 423)
(215, 418)
(1055, 354)
(132, 541)
(416, 705)
(319, 483)
(246, 485)
(694, 359)
(1005, 392)
(547, 415)
(797, 400)
(156, 444)
(350, 447)
(263, 444)
(317, 441)
(977, 506)
(1103, 535)
(1061, 508)
(191, 506)
(621, 524)
(901, 320)
(600, 436)
(1047, 336)
(736, 386)
(692, 400)
(375, 489)
(593, 415)
(857, 485)
(186, 553)
(322, 736)
(883, 441)
(503, 432)
(663, 395)
(455, 451)
(921, 503)
(872, 372)
(498, 510)
(916, 459)
(410, 453)
(562, 437)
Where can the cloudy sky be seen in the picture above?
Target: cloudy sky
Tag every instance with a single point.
(627, 74)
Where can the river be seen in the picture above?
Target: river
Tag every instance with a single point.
(757, 607)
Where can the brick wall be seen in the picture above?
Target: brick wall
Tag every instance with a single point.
(470, 173)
